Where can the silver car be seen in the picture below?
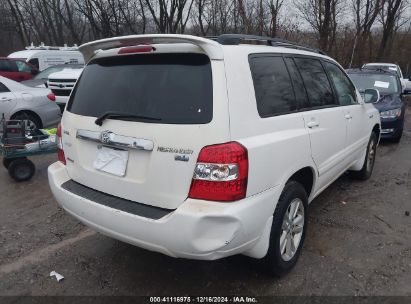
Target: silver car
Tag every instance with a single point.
(36, 105)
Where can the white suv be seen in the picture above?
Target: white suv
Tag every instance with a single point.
(202, 149)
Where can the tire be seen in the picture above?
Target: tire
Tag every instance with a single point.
(21, 169)
(277, 262)
(33, 121)
(369, 161)
(7, 161)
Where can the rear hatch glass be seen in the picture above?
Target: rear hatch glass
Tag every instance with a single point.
(148, 85)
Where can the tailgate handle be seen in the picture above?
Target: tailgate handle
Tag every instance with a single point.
(111, 139)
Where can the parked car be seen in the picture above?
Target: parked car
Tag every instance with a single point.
(17, 70)
(44, 56)
(405, 83)
(390, 105)
(40, 80)
(202, 149)
(62, 83)
(35, 105)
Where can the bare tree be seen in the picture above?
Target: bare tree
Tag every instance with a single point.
(365, 13)
(168, 15)
(322, 16)
(391, 18)
(274, 9)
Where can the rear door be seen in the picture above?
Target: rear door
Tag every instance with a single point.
(324, 119)
(25, 70)
(8, 69)
(182, 103)
(7, 100)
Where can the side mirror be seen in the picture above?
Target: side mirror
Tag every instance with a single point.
(34, 72)
(371, 95)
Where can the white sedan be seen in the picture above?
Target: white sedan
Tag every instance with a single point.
(36, 105)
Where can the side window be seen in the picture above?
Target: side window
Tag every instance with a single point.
(316, 82)
(3, 88)
(272, 85)
(35, 62)
(23, 67)
(345, 89)
(299, 89)
(8, 66)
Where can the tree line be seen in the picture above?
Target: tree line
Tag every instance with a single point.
(352, 31)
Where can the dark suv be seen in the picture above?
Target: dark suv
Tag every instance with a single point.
(390, 105)
(17, 69)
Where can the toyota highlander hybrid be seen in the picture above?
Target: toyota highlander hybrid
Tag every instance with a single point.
(206, 148)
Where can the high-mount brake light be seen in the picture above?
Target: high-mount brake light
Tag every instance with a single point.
(60, 151)
(136, 49)
(221, 173)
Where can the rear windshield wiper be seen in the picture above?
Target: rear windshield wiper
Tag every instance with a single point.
(117, 115)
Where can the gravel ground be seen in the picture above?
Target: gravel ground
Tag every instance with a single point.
(358, 243)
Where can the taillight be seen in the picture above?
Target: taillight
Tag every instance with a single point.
(60, 151)
(136, 49)
(221, 173)
(51, 96)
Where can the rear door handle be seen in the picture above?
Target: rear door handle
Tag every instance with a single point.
(5, 99)
(348, 116)
(313, 124)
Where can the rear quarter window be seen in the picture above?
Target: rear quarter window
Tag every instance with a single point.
(177, 88)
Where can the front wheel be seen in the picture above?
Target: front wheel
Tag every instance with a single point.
(369, 161)
(288, 230)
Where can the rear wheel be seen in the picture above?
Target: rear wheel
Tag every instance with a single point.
(7, 161)
(288, 230)
(369, 160)
(33, 122)
(21, 169)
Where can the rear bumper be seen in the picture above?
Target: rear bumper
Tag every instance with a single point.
(196, 229)
(61, 101)
(50, 116)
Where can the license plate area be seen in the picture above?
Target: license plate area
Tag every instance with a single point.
(111, 160)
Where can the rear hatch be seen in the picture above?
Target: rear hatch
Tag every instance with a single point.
(177, 104)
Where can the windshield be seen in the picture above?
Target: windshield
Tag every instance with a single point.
(386, 84)
(176, 88)
(45, 74)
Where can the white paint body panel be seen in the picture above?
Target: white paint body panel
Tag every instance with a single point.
(277, 148)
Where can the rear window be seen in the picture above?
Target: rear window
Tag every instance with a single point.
(177, 88)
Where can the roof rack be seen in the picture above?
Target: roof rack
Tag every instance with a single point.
(236, 39)
(42, 46)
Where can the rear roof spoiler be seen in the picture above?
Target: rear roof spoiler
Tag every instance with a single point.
(211, 48)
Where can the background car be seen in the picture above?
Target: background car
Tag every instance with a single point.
(16, 69)
(62, 83)
(390, 105)
(36, 105)
(44, 56)
(40, 79)
(405, 82)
